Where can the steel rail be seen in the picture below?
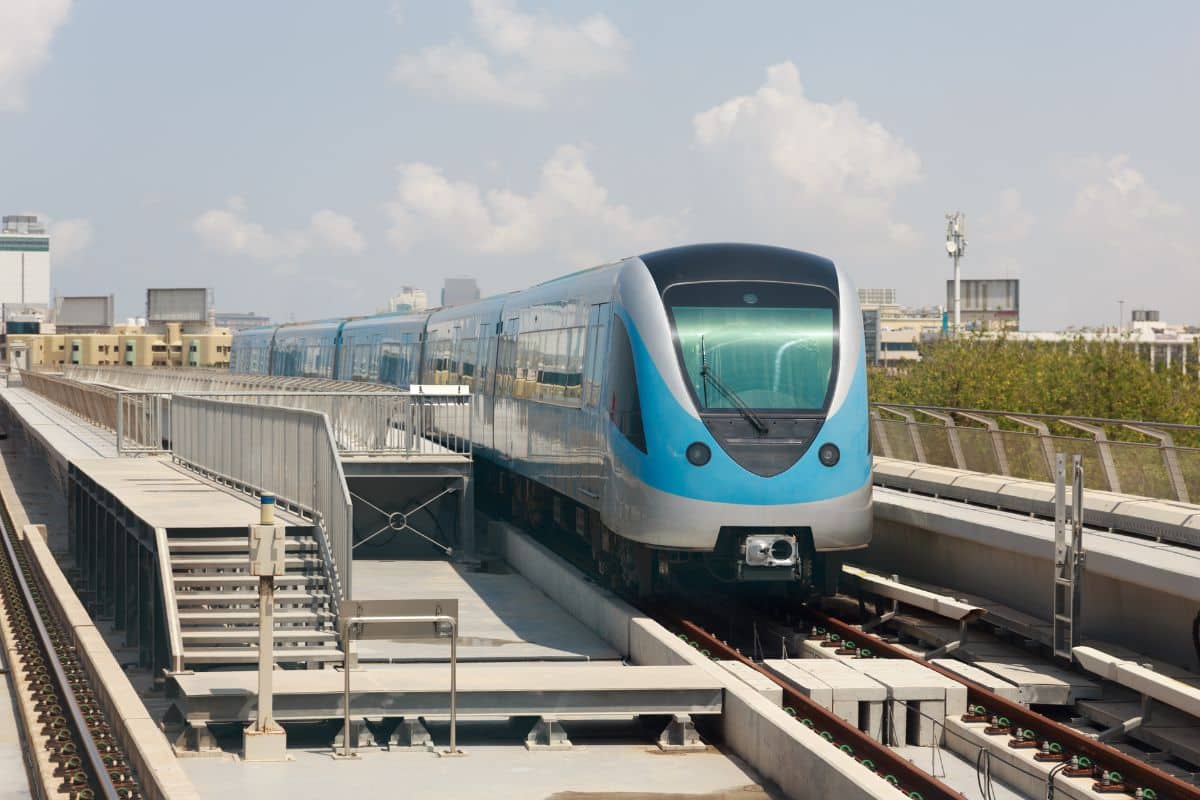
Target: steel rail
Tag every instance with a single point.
(94, 760)
(908, 777)
(1135, 773)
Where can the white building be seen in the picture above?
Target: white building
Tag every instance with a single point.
(24, 266)
(409, 298)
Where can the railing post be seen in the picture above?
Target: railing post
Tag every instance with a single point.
(120, 423)
(910, 423)
(885, 444)
(951, 435)
(1170, 458)
(1106, 460)
(997, 438)
(1043, 432)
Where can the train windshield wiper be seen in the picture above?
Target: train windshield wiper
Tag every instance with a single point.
(710, 377)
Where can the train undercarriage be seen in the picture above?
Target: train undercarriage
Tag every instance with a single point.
(773, 562)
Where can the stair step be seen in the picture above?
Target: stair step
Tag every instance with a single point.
(249, 655)
(222, 616)
(232, 544)
(202, 561)
(225, 579)
(244, 597)
(247, 635)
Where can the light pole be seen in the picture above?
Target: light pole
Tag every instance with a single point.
(956, 248)
(1120, 317)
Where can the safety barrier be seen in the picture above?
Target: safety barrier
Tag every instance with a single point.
(263, 449)
(1024, 445)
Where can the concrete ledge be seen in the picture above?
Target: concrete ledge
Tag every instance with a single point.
(596, 607)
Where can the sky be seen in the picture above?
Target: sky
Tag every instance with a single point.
(307, 159)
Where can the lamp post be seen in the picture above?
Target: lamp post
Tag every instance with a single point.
(956, 248)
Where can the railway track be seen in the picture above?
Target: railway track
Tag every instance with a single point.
(70, 724)
(1103, 768)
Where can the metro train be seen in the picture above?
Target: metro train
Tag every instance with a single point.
(694, 414)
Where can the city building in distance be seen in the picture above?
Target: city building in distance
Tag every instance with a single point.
(24, 269)
(458, 291)
(988, 304)
(408, 298)
(177, 331)
(239, 320)
(893, 333)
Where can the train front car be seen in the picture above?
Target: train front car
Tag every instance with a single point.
(751, 449)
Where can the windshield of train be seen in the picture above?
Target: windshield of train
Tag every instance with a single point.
(758, 345)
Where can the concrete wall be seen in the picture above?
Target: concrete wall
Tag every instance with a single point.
(761, 733)
(1128, 601)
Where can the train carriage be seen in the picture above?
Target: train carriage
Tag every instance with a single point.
(695, 414)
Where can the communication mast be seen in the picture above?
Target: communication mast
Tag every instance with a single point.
(956, 248)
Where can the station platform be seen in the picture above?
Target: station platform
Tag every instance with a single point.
(64, 434)
(502, 616)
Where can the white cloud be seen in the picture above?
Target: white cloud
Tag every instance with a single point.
(1116, 198)
(1008, 223)
(569, 213)
(337, 231)
(227, 230)
(69, 237)
(535, 57)
(822, 158)
(26, 29)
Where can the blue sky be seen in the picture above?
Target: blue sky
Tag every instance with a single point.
(305, 159)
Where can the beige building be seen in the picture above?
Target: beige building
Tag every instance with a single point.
(178, 345)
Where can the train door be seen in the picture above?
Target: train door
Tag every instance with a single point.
(595, 357)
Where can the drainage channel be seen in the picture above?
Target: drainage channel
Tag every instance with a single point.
(75, 733)
(1106, 768)
(849, 740)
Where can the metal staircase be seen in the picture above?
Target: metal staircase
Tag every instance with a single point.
(217, 601)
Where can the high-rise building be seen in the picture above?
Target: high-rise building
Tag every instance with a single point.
(24, 266)
(458, 291)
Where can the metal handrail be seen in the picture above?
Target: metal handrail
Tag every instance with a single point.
(1160, 469)
(167, 581)
(1050, 417)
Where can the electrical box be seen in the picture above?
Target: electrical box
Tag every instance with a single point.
(267, 550)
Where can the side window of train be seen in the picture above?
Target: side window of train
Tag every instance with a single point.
(597, 349)
(624, 404)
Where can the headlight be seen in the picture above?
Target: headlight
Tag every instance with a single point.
(829, 454)
(698, 453)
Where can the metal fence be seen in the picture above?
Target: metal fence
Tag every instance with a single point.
(1024, 445)
(288, 452)
(193, 380)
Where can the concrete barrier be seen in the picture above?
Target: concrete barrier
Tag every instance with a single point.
(761, 733)
(158, 769)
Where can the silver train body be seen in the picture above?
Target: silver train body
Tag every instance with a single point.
(703, 404)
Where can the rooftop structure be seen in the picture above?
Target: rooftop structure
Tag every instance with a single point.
(239, 321)
(83, 313)
(877, 297)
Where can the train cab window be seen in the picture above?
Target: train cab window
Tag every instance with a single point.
(764, 345)
(624, 404)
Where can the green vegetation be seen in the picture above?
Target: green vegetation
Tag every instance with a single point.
(1077, 378)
